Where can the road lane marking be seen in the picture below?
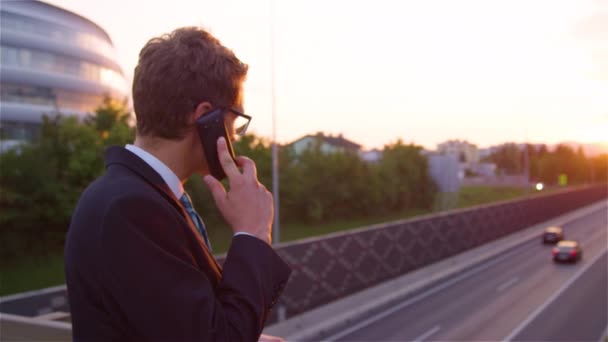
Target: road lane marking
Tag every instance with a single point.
(553, 298)
(427, 293)
(428, 334)
(445, 284)
(507, 284)
(595, 237)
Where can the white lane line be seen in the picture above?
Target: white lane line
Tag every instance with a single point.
(428, 334)
(507, 284)
(595, 237)
(423, 295)
(552, 299)
(433, 290)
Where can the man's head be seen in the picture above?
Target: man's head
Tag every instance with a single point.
(181, 76)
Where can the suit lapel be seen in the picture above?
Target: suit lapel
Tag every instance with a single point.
(124, 157)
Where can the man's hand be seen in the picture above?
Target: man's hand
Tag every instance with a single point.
(248, 206)
(270, 338)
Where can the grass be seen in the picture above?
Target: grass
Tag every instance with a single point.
(31, 274)
(476, 195)
(34, 273)
(221, 236)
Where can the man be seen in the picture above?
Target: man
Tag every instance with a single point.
(137, 257)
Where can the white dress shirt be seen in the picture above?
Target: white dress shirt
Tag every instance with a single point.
(163, 170)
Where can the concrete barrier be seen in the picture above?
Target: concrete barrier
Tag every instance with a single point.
(19, 328)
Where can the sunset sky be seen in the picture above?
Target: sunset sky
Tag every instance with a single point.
(422, 71)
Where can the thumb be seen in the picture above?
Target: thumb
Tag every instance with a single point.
(217, 189)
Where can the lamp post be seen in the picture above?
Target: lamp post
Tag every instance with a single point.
(276, 236)
(275, 149)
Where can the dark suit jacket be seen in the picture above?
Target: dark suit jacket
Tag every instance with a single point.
(137, 269)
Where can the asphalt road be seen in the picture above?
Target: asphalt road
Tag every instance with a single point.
(520, 294)
(579, 313)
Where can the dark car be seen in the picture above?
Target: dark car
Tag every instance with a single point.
(567, 251)
(553, 235)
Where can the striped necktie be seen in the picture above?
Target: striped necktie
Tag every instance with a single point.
(198, 222)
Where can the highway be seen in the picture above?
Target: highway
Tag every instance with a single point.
(519, 295)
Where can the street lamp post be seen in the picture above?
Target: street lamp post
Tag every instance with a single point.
(275, 149)
(276, 236)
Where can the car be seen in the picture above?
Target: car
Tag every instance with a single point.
(553, 235)
(567, 251)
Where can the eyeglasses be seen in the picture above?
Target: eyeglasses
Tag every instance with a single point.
(241, 122)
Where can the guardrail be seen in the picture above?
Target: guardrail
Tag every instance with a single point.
(331, 267)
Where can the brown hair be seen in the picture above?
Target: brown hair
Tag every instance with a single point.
(175, 73)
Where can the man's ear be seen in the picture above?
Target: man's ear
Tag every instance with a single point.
(200, 110)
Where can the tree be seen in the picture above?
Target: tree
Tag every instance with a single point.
(599, 170)
(109, 114)
(508, 159)
(42, 182)
(404, 177)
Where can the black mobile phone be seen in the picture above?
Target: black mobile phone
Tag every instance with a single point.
(210, 127)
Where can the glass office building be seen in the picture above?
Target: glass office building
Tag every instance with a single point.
(52, 61)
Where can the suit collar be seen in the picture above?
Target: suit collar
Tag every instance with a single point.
(160, 167)
(122, 156)
(126, 158)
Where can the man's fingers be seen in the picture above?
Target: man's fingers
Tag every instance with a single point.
(269, 338)
(248, 166)
(217, 189)
(226, 159)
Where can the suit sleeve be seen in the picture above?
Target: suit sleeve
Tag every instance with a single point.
(158, 293)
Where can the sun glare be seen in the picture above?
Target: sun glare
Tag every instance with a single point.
(594, 134)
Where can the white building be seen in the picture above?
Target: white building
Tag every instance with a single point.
(327, 144)
(445, 171)
(53, 60)
(372, 156)
(486, 170)
(462, 149)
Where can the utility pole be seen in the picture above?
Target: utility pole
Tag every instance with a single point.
(276, 236)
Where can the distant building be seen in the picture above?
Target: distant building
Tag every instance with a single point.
(372, 156)
(53, 60)
(462, 149)
(488, 151)
(486, 170)
(445, 171)
(327, 144)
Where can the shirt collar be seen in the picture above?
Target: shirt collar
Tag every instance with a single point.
(163, 170)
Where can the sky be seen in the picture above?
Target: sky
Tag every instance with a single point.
(423, 71)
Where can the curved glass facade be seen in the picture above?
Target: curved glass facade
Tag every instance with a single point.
(44, 96)
(52, 61)
(20, 23)
(48, 62)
